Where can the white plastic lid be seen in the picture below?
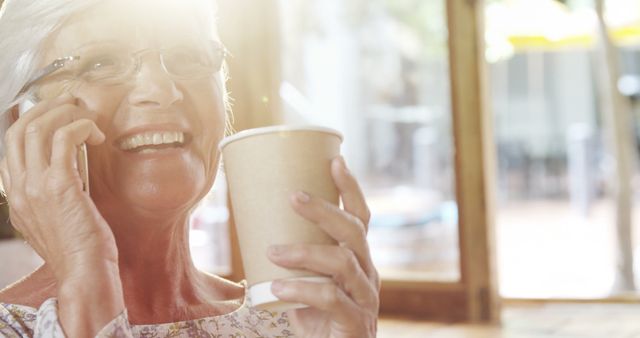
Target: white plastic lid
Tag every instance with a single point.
(262, 297)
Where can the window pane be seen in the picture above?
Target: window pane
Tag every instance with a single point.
(378, 71)
(556, 217)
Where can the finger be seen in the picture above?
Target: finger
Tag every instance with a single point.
(352, 196)
(337, 223)
(335, 261)
(324, 296)
(67, 139)
(14, 137)
(42, 107)
(6, 185)
(15, 219)
(4, 175)
(39, 132)
(17, 203)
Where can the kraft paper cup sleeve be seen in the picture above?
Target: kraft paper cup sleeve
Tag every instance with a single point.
(263, 168)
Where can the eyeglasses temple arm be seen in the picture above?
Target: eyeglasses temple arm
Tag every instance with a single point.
(53, 67)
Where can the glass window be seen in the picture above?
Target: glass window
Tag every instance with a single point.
(378, 71)
(556, 217)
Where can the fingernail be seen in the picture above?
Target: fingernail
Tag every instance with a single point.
(303, 197)
(278, 287)
(343, 163)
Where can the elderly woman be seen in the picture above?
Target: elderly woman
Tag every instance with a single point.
(141, 83)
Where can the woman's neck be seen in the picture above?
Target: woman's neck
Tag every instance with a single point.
(159, 280)
(158, 276)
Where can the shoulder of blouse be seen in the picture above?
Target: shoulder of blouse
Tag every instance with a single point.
(18, 322)
(13, 321)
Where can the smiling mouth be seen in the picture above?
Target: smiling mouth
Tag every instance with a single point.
(153, 141)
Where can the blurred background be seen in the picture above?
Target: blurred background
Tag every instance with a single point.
(564, 104)
(378, 70)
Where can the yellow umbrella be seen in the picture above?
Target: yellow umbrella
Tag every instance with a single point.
(524, 25)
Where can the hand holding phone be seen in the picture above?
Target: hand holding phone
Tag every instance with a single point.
(82, 162)
(43, 180)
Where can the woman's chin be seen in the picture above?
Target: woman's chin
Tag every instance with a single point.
(151, 188)
(162, 198)
(149, 197)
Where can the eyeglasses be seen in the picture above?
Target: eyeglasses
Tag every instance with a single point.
(112, 64)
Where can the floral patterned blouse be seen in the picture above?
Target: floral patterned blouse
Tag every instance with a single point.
(17, 321)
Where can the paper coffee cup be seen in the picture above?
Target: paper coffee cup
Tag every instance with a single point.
(264, 167)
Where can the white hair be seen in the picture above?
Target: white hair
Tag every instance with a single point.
(26, 24)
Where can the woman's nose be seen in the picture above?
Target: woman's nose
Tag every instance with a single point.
(153, 87)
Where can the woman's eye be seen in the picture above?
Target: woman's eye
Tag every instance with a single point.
(188, 62)
(188, 58)
(101, 63)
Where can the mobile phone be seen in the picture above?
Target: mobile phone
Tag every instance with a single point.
(82, 163)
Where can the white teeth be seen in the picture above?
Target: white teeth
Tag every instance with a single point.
(157, 139)
(169, 138)
(152, 138)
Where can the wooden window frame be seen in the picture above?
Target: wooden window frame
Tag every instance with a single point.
(475, 297)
